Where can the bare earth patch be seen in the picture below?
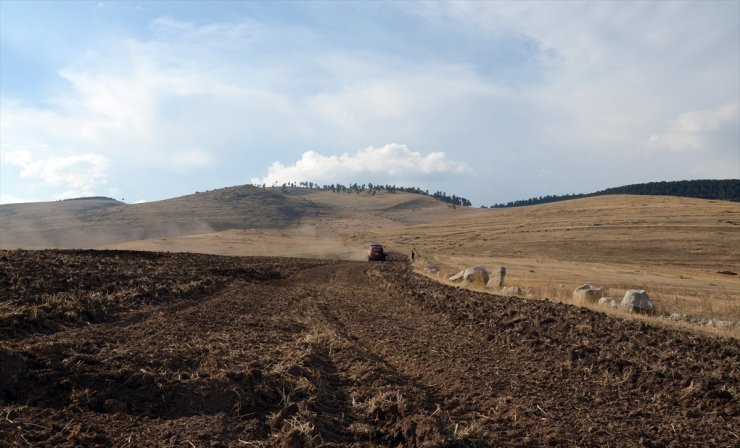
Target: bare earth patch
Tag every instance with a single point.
(201, 350)
(678, 249)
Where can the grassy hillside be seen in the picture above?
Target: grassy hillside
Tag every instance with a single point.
(724, 189)
(673, 247)
(92, 223)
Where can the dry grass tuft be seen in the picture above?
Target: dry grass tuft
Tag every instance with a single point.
(562, 293)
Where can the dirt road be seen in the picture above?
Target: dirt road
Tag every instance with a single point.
(136, 349)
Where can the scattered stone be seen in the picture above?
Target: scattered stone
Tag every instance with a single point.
(726, 272)
(698, 320)
(456, 277)
(637, 301)
(475, 275)
(430, 267)
(690, 318)
(497, 281)
(610, 301)
(719, 323)
(587, 294)
(511, 291)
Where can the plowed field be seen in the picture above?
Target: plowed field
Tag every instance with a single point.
(117, 348)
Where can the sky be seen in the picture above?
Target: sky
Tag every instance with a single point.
(492, 101)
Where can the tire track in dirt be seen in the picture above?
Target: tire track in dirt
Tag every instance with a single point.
(355, 354)
(411, 343)
(386, 406)
(524, 387)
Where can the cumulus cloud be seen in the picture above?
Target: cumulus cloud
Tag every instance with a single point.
(77, 174)
(510, 86)
(392, 161)
(691, 130)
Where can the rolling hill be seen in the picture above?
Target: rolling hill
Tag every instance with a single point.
(673, 247)
(90, 223)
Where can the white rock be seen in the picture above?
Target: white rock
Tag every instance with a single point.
(719, 323)
(456, 277)
(475, 275)
(612, 302)
(637, 301)
(587, 294)
(497, 280)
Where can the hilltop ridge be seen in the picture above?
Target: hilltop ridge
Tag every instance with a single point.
(91, 222)
(674, 247)
(726, 190)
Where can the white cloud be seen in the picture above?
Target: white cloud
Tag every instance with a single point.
(584, 84)
(692, 130)
(611, 71)
(77, 174)
(192, 159)
(392, 161)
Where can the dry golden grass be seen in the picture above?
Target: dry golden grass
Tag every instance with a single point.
(672, 247)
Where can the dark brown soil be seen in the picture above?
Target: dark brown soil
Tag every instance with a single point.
(116, 348)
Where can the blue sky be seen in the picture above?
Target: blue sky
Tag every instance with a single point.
(493, 101)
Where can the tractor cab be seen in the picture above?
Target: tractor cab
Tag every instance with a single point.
(376, 253)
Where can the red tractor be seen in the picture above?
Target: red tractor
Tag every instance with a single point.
(376, 253)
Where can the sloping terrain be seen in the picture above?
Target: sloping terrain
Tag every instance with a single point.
(648, 230)
(68, 207)
(364, 211)
(150, 349)
(54, 225)
(682, 251)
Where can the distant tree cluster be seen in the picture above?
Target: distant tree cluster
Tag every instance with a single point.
(538, 200)
(726, 190)
(373, 189)
(88, 198)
